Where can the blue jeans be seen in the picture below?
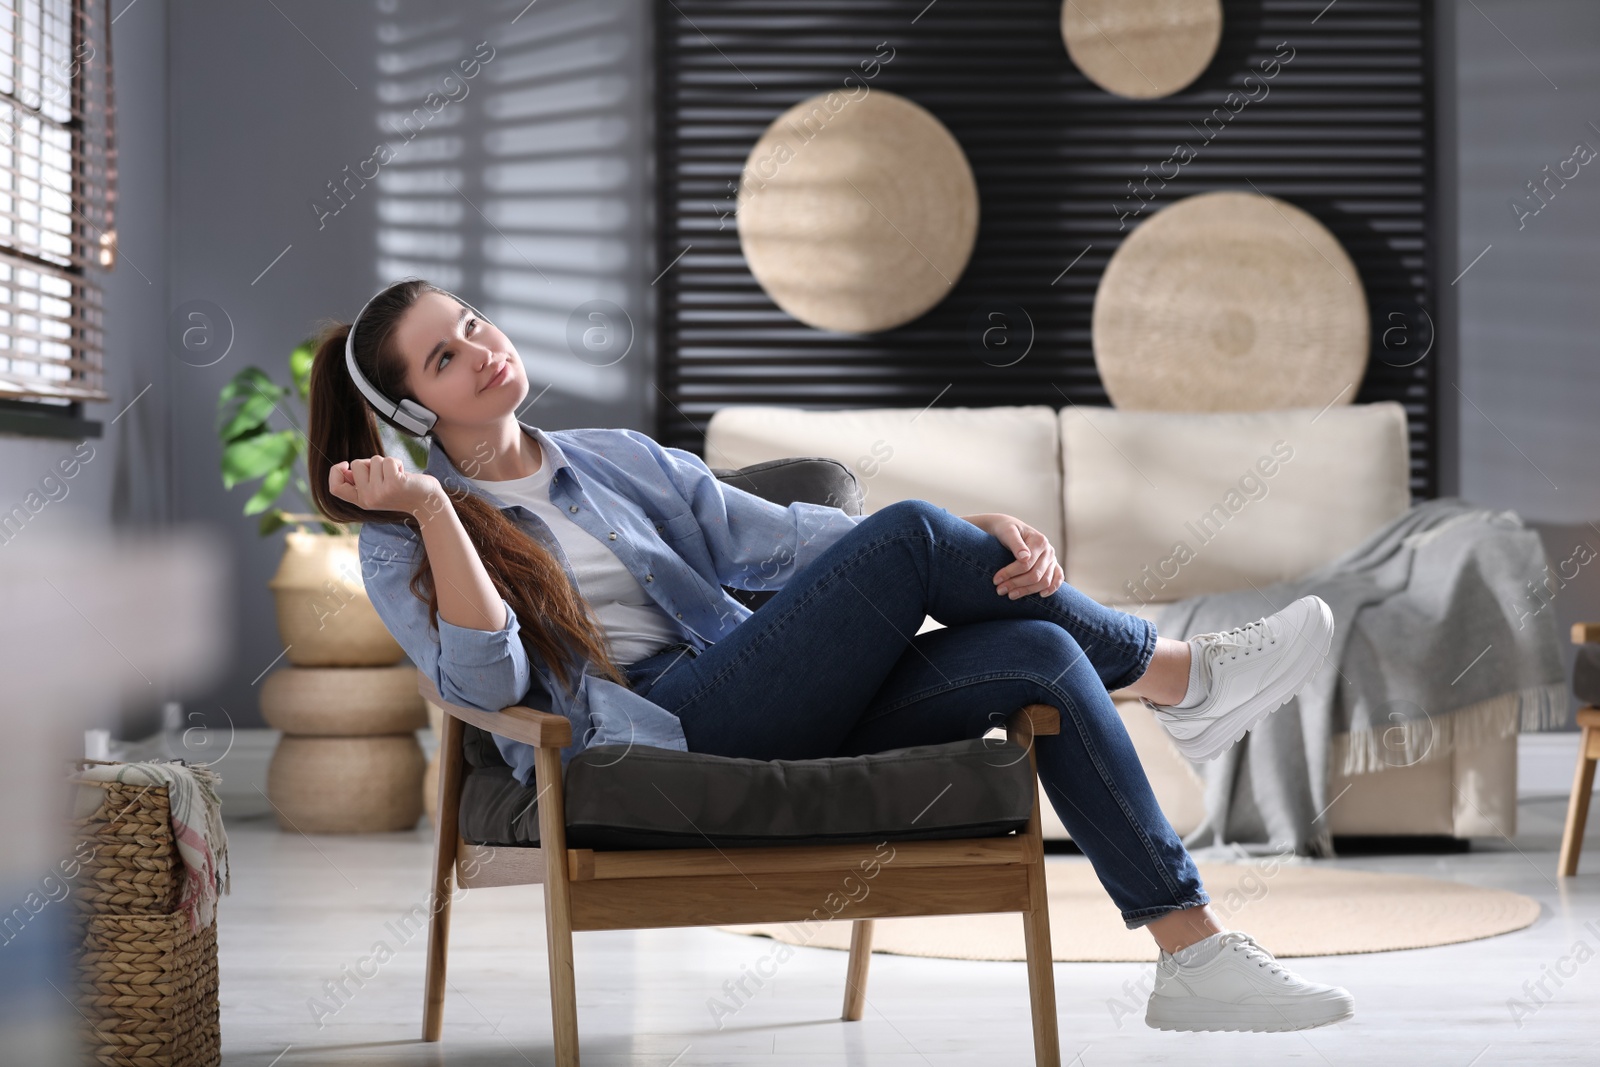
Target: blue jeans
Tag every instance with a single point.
(832, 665)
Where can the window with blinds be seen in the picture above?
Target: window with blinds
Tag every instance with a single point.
(57, 198)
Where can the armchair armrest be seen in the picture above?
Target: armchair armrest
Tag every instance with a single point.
(1034, 720)
(542, 729)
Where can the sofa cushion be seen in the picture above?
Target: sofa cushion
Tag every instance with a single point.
(622, 798)
(966, 460)
(1163, 505)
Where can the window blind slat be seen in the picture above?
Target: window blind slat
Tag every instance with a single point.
(57, 197)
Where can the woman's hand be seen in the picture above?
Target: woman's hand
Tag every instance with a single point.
(382, 484)
(1035, 569)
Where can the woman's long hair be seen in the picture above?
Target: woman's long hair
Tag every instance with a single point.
(557, 626)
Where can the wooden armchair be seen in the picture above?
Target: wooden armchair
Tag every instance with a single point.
(611, 889)
(1583, 776)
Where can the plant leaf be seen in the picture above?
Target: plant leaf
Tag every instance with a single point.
(273, 521)
(244, 383)
(257, 455)
(300, 368)
(271, 488)
(249, 414)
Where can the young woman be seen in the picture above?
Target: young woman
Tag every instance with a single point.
(582, 570)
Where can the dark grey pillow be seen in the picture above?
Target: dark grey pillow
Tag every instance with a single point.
(812, 479)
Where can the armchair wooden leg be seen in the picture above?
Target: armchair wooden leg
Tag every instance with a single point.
(855, 979)
(445, 840)
(1036, 926)
(557, 904)
(1582, 787)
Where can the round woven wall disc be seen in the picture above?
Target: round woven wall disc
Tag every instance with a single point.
(857, 213)
(1141, 48)
(1230, 302)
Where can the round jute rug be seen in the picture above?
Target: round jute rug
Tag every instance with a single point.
(1305, 909)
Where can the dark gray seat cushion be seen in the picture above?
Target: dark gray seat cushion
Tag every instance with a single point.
(622, 798)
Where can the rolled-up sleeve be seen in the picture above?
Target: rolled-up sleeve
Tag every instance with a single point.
(753, 543)
(484, 669)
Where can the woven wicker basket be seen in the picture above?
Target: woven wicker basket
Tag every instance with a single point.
(146, 984)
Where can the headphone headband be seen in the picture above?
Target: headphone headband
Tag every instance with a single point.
(407, 414)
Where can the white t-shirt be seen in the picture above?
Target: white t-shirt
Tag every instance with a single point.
(635, 625)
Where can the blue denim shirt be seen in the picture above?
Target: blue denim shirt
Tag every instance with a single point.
(680, 530)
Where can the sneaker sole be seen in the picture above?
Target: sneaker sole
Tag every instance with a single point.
(1199, 1014)
(1206, 747)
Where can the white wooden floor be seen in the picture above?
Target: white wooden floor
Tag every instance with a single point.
(308, 916)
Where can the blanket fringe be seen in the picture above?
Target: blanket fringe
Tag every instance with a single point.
(1366, 751)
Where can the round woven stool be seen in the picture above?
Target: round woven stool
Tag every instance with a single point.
(349, 761)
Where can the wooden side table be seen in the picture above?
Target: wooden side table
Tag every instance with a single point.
(1583, 775)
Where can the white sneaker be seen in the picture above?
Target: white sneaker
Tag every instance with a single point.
(1250, 671)
(1242, 987)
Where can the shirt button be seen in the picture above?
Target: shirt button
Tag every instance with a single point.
(573, 507)
(680, 614)
(649, 577)
(613, 535)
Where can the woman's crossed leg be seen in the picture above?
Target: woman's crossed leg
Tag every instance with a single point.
(828, 663)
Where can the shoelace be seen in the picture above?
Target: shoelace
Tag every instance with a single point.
(1240, 941)
(1250, 637)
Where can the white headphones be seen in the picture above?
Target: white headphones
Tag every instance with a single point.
(407, 414)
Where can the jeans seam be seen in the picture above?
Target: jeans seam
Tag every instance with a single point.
(946, 688)
(1146, 654)
(1076, 621)
(1198, 900)
(1109, 781)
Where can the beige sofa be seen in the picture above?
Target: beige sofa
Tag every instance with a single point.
(1254, 496)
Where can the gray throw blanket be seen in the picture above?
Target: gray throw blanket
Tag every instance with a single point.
(1443, 636)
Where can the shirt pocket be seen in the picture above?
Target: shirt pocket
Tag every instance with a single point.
(679, 527)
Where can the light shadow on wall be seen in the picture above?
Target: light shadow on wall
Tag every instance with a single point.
(515, 183)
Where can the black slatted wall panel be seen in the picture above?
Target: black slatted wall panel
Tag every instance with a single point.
(1343, 129)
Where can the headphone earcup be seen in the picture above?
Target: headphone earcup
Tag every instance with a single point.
(415, 413)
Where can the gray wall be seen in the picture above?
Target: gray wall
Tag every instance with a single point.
(1528, 91)
(233, 117)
